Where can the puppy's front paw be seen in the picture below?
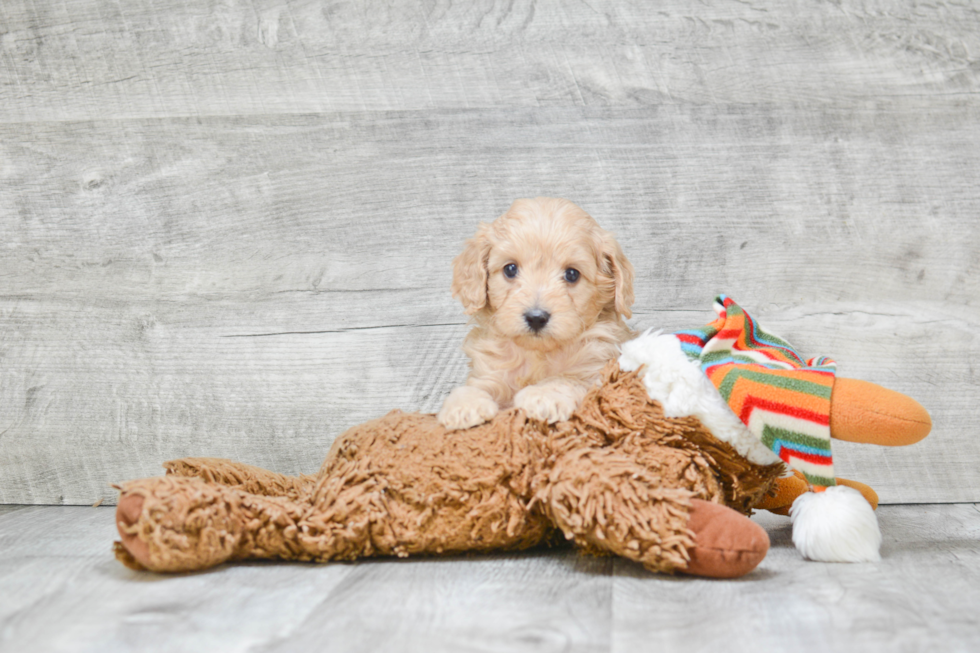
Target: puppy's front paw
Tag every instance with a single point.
(465, 407)
(549, 403)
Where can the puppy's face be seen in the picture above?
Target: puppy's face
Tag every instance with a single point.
(542, 274)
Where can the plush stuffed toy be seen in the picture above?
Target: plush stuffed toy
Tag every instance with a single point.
(661, 463)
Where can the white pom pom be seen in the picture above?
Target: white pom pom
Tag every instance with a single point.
(836, 525)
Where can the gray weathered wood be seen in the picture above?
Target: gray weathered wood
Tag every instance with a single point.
(61, 591)
(137, 272)
(90, 59)
(227, 229)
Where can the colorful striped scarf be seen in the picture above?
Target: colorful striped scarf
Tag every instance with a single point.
(781, 398)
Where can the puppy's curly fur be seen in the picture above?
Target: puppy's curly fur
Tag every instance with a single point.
(548, 290)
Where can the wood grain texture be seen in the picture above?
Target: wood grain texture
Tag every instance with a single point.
(11, 507)
(226, 229)
(92, 59)
(57, 570)
(918, 598)
(62, 591)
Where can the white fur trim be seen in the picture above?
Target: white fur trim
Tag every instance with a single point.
(836, 525)
(683, 389)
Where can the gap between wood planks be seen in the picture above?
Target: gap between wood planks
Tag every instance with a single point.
(362, 328)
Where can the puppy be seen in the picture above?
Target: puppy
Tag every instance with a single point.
(548, 290)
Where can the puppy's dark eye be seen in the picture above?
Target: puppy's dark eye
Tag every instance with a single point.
(571, 275)
(510, 270)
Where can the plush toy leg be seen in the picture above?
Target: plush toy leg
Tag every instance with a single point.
(785, 490)
(247, 478)
(183, 524)
(176, 523)
(865, 412)
(866, 491)
(783, 493)
(607, 503)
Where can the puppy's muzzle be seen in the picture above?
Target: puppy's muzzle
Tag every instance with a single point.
(536, 319)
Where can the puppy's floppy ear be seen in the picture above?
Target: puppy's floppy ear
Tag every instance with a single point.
(470, 271)
(615, 264)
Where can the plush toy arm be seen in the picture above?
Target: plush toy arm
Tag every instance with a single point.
(859, 412)
(865, 412)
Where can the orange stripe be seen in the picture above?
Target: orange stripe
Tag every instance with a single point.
(748, 388)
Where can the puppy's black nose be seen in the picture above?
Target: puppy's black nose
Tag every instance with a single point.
(536, 319)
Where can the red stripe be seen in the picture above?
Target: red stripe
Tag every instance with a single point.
(754, 401)
(785, 453)
(729, 334)
(689, 338)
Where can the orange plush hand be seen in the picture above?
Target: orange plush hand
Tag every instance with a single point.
(865, 412)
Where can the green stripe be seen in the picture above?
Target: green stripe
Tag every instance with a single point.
(712, 356)
(785, 382)
(820, 480)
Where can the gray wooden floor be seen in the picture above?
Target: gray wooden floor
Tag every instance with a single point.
(61, 591)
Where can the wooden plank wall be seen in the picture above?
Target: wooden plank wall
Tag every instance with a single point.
(226, 227)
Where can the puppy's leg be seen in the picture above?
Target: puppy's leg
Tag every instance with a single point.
(467, 406)
(551, 400)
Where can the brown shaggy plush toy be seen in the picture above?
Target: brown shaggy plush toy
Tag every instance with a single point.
(618, 477)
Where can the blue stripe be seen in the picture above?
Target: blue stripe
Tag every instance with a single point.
(793, 446)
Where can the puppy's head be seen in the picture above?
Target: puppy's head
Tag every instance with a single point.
(542, 273)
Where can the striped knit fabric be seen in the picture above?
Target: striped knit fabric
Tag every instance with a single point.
(781, 398)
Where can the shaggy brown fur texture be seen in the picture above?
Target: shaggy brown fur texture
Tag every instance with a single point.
(616, 478)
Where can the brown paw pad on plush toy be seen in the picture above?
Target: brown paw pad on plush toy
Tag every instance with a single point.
(660, 464)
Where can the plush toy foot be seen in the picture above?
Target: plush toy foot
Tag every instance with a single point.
(177, 524)
(865, 412)
(173, 523)
(727, 544)
(128, 512)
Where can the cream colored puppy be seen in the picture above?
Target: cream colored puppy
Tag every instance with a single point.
(548, 290)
